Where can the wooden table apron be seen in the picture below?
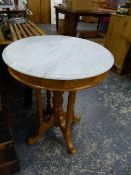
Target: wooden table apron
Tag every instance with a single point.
(57, 116)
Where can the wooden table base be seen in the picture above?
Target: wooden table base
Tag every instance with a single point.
(54, 115)
(57, 117)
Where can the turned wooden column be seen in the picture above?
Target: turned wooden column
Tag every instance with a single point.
(63, 122)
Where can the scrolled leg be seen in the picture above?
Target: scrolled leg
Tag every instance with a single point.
(69, 118)
(59, 115)
(71, 101)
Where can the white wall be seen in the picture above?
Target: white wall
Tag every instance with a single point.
(22, 4)
(53, 16)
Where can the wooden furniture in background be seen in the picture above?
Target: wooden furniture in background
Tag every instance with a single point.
(41, 11)
(72, 14)
(9, 163)
(34, 6)
(129, 11)
(19, 31)
(90, 5)
(9, 12)
(118, 41)
(24, 30)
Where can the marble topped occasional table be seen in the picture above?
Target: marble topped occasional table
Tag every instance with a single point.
(57, 64)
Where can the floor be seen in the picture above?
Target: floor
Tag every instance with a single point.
(51, 29)
(82, 27)
(102, 138)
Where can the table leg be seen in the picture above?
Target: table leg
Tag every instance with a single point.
(70, 25)
(69, 118)
(60, 119)
(58, 112)
(43, 125)
(49, 103)
(71, 104)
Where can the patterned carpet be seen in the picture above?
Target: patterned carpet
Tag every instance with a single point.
(102, 138)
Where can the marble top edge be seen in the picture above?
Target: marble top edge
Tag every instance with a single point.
(73, 65)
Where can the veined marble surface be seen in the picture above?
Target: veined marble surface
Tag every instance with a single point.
(58, 57)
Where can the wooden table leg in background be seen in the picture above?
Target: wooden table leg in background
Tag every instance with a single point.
(70, 25)
(49, 102)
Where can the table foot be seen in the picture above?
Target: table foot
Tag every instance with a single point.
(34, 139)
(41, 130)
(67, 135)
(72, 150)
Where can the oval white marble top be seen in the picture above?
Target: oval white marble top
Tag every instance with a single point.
(58, 57)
